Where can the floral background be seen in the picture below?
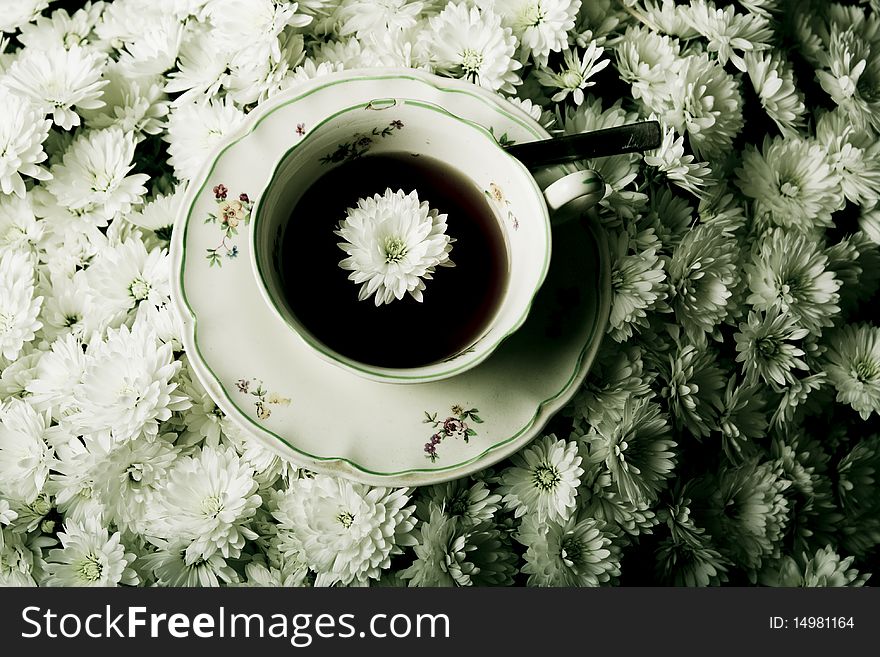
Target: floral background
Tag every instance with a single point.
(728, 432)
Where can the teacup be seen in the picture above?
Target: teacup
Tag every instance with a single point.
(298, 216)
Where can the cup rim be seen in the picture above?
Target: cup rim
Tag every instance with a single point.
(401, 375)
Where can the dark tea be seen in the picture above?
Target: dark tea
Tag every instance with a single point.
(459, 302)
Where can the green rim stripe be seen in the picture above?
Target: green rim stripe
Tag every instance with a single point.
(603, 268)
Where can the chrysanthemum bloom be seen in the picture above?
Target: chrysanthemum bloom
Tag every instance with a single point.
(394, 243)
(208, 499)
(730, 34)
(471, 43)
(856, 482)
(742, 419)
(136, 105)
(853, 365)
(472, 504)
(19, 228)
(541, 26)
(58, 80)
(61, 29)
(23, 129)
(686, 557)
(854, 157)
(692, 388)
(154, 50)
(171, 567)
(89, 556)
(368, 18)
(826, 568)
(194, 129)
(745, 511)
(347, 532)
(617, 374)
(19, 307)
(20, 12)
(638, 281)
(20, 557)
(25, 450)
(791, 183)
(94, 178)
(58, 372)
(703, 274)
(127, 386)
(680, 169)
(123, 276)
(159, 213)
(636, 449)
(599, 498)
(669, 17)
(774, 83)
(766, 345)
(644, 59)
(704, 100)
(452, 552)
(788, 272)
(127, 475)
(203, 65)
(543, 479)
(576, 552)
(814, 517)
(575, 76)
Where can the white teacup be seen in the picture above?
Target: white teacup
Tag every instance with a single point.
(520, 207)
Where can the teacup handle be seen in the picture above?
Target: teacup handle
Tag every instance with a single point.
(573, 194)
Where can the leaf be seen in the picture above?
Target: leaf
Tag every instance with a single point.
(471, 432)
(476, 418)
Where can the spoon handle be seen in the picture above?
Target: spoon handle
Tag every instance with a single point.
(629, 138)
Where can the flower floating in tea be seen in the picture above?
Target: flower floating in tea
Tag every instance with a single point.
(394, 243)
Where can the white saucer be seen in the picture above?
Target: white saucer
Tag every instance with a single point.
(326, 419)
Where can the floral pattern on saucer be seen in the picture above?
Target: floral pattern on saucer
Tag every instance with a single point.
(496, 194)
(359, 145)
(264, 398)
(454, 426)
(230, 214)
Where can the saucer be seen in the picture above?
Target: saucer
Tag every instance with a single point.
(322, 417)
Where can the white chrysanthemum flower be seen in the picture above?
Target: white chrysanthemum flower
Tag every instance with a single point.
(765, 345)
(61, 29)
(346, 532)
(254, 26)
(472, 502)
(16, 13)
(25, 450)
(368, 17)
(704, 101)
(209, 499)
(127, 388)
(644, 59)
(163, 320)
(134, 104)
(637, 281)
(543, 480)
(58, 80)
(669, 17)
(703, 274)
(855, 160)
(20, 557)
(471, 43)
(71, 482)
(195, 129)
(394, 243)
(541, 26)
(202, 66)
(789, 272)
(635, 448)
(89, 556)
(19, 228)
(575, 552)
(254, 81)
(171, 567)
(774, 83)
(19, 307)
(348, 52)
(123, 276)
(127, 476)
(68, 308)
(309, 70)
(692, 386)
(679, 168)
(852, 75)
(792, 183)
(154, 50)
(94, 177)
(159, 213)
(853, 365)
(59, 371)
(576, 74)
(23, 129)
(729, 33)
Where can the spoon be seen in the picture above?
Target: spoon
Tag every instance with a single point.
(629, 138)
